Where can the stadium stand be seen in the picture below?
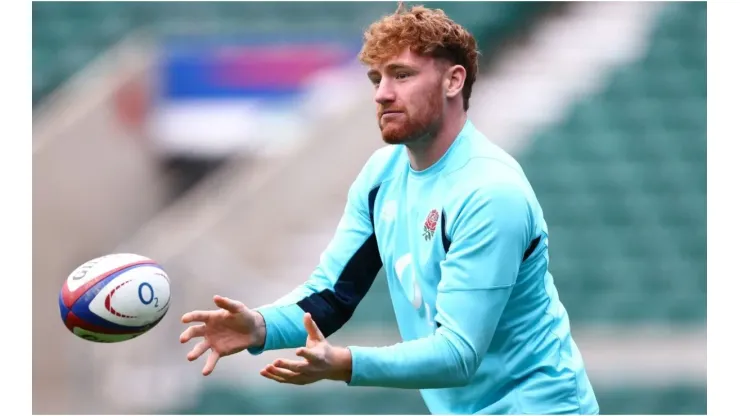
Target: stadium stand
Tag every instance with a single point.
(623, 184)
(69, 35)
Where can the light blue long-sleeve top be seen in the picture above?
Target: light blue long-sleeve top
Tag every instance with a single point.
(465, 247)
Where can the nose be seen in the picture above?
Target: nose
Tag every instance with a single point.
(384, 94)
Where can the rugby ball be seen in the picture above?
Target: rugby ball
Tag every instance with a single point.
(114, 298)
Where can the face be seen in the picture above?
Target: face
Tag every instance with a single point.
(409, 96)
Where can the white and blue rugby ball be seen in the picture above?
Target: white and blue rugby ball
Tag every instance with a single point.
(114, 298)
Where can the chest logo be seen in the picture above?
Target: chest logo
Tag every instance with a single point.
(430, 225)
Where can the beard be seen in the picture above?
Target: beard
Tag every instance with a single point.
(405, 128)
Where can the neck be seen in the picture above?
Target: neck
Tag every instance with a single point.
(426, 153)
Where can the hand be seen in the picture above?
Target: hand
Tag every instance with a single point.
(225, 331)
(321, 361)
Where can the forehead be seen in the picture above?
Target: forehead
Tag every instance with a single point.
(406, 58)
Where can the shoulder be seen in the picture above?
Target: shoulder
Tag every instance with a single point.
(491, 181)
(480, 163)
(383, 165)
(490, 188)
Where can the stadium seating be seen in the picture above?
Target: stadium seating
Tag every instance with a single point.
(623, 185)
(69, 35)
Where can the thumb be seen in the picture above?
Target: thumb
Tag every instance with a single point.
(313, 330)
(228, 304)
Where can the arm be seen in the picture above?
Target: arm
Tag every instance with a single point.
(488, 241)
(346, 271)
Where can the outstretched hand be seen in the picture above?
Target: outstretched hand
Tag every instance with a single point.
(320, 361)
(225, 331)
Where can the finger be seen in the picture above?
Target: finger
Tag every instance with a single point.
(266, 374)
(228, 304)
(286, 375)
(312, 329)
(308, 354)
(192, 332)
(291, 365)
(211, 363)
(198, 350)
(196, 316)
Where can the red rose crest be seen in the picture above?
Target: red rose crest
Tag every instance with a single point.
(431, 224)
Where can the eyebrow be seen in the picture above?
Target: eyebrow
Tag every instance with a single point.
(391, 67)
(394, 67)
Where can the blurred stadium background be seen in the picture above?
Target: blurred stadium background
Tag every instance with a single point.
(220, 139)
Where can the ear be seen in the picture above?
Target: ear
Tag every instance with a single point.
(454, 80)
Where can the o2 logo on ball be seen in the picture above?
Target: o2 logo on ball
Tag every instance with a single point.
(146, 295)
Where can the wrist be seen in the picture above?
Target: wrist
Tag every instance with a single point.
(343, 364)
(258, 336)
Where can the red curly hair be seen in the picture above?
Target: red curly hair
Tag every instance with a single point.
(427, 32)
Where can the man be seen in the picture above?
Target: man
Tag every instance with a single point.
(462, 237)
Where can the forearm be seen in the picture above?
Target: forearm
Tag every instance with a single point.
(281, 321)
(448, 358)
(439, 361)
(281, 327)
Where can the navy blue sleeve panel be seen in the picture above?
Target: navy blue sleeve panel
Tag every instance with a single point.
(345, 272)
(332, 308)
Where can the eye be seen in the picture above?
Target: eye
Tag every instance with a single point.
(402, 75)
